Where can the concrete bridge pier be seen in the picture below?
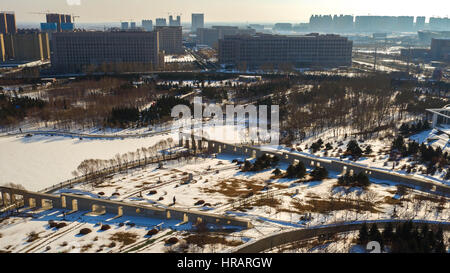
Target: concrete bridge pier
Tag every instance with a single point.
(4, 200)
(12, 197)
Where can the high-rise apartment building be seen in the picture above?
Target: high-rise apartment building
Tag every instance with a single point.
(147, 25)
(198, 21)
(262, 49)
(440, 49)
(160, 22)
(63, 21)
(124, 25)
(170, 39)
(420, 22)
(176, 22)
(2, 48)
(8, 23)
(81, 51)
(437, 23)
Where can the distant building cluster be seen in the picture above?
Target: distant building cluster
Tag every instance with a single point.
(132, 47)
(147, 25)
(123, 49)
(160, 22)
(57, 23)
(439, 23)
(259, 50)
(20, 46)
(350, 23)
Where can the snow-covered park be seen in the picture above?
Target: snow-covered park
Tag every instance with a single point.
(38, 162)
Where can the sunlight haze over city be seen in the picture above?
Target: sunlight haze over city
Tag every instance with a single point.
(221, 11)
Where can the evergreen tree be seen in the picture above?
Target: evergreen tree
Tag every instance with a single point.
(247, 166)
(398, 143)
(276, 172)
(440, 245)
(300, 170)
(363, 237)
(368, 150)
(319, 173)
(375, 235)
(353, 148)
(388, 232)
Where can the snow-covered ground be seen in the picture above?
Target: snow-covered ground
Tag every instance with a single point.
(16, 231)
(223, 188)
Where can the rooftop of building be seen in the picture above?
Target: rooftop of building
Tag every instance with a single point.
(270, 36)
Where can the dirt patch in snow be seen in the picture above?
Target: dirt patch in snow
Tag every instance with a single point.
(234, 187)
(125, 238)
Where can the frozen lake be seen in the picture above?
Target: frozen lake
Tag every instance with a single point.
(42, 161)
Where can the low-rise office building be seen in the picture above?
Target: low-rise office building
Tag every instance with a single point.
(312, 50)
(26, 46)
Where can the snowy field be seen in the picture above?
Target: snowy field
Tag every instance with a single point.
(219, 187)
(38, 162)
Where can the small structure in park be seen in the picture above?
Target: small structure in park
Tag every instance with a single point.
(441, 117)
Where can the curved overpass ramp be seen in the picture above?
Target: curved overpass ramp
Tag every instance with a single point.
(282, 238)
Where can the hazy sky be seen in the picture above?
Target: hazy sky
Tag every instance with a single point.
(221, 10)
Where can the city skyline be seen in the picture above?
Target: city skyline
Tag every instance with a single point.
(217, 11)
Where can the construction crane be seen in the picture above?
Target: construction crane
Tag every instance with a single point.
(73, 16)
(41, 13)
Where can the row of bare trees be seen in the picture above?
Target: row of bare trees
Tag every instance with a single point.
(91, 166)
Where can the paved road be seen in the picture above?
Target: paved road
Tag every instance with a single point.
(286, 237)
